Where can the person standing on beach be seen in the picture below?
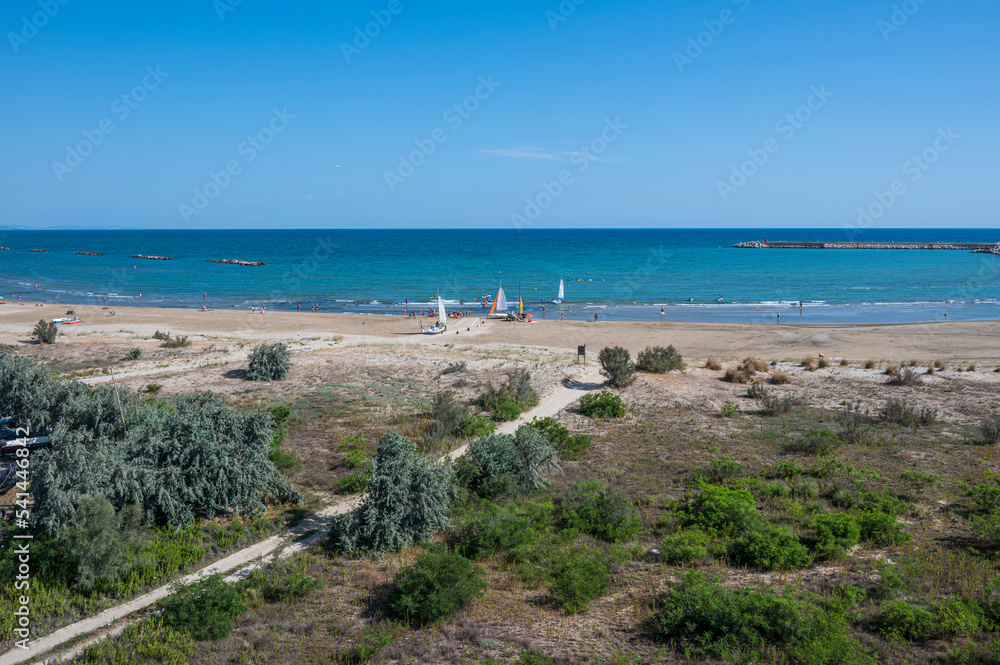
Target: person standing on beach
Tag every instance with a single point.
(596, 317)
(560, 316)
(298, 306)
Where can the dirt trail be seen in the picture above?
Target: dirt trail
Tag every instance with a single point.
(303, 535)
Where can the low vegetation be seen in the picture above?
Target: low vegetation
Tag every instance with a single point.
(45, 332)
(269, 362)
(659, 360)
(604, 404)
(617, 366)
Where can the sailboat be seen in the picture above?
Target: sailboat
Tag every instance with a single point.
(499, 309)
(442, 323)
(558, 300)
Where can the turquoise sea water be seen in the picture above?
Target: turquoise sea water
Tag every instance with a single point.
(619, 274)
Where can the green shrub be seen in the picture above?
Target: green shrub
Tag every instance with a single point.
(161, 336)
(133, 354)
(659, 360)
(578, 577)
(355, 483)
(454, 368)
(772, 405)
(494, 531)
(835, 534)
(449, 416)
(785, 469)
(770, 548)
(506, 412)
(570, 446)
(815, 441)
(729, 410)
(407, 502)
(45, 332)
(722, 511)
(899, 620)
(903, 376)
(763, 490)
(602, 405)
(989, 430)
(205, 610)
(686, 546)
(269, 362)
(899, 412)
(504, 464)
(986, 497)
(516, 389)
(881, 529)
(857, 424)
(99, 540)
(284, 583)
(153, 388)
(707, 621)
(617, 366)
(149, 641)
(599, 511)
(721, 468)
(435, 587)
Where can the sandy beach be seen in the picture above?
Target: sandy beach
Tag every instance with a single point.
(959, 341)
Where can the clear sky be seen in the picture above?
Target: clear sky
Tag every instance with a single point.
(597, 114)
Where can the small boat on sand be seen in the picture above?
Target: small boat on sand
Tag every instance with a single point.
(500, 306)
(442, 323)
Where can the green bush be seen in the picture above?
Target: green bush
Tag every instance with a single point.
(355, 483)
(45, 332)
(435, 587)
(899, 620)
(282, 583)
(570, 446)
(722, 468)
(506, 412)
(599, 511)
(989, 430)
(494, 531)
(659, 360)
(449, 416)
(516, 389)
(881, 529)
(205, 610)
(133, 354)
(99, 540)
(770, 548)
(602, 405)
(179, 342)
(505, 464)
(722, 511)
(407, 502)
(707, 621)
(617, 366)
(149, 641)
(815, 441)
(269, 362)
(835, 534)
(579, 576)
(729, 410)
(987, 502)
(686, 546)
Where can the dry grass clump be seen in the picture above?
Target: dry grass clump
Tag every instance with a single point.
(892, 369)
(938, 364)
(870, 363)
(844, 362)
(972, 367)
(756, 364)
(780, 378)
(930, 370)
(823, 362)
(906, 376)
(913, 363)
(808, 361)
(738, 375)
(713, 363)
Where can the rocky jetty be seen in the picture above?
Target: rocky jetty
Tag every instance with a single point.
(4, 247)
(780, 244)
(238, 262)
(89, 253)
(995, 250)
(39, 250)
(154, 258)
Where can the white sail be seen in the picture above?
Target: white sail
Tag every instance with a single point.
(501, 301)
(442, 316)
(561, 295)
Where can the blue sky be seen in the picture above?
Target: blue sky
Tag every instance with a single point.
(261, 114)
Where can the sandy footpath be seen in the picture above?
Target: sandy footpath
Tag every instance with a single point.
(924, 341)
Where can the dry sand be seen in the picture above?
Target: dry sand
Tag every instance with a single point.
(957, 341)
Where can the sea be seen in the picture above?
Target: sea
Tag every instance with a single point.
(687, 275)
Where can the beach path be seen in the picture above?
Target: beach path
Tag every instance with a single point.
(239, 565)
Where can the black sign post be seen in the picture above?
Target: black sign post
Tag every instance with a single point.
(581, 354)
